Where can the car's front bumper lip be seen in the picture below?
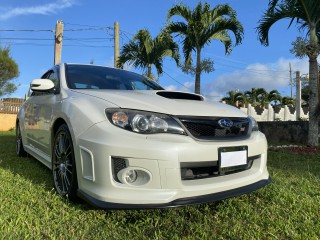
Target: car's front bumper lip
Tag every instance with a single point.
(178, 202)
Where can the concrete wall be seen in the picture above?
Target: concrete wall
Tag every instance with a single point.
(7, 121)
(289, 132)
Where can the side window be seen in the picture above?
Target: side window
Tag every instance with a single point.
(46, 75)
(53, 76)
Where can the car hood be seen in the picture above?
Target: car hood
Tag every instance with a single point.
(153, 102)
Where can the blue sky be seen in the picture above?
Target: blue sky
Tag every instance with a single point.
(249, 65)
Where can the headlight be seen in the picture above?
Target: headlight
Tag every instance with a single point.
(254, 124)
(143, 122)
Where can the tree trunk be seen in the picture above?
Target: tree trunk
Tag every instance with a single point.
(149, 71)
(198, 72)
(313, 139)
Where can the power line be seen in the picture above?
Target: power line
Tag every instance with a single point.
(254, 71)
(50, 45)
(45, 39)
(88, 29)
(241, 62)
(177, 81)
(82, 25)
(26, 30)
(48, 30)
(33, 39)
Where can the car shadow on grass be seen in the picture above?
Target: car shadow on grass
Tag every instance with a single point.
(27, 167)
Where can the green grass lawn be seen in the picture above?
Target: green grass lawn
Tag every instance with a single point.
(288, 208)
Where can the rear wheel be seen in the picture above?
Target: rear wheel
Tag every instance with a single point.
(63, 164)
(19, 145)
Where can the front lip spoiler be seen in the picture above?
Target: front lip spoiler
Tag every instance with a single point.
(178, 202)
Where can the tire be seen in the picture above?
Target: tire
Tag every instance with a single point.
(19, 144)
(63, 165)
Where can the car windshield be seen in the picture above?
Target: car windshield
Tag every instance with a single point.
(98, 77)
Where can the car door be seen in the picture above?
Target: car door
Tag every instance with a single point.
(42, 105)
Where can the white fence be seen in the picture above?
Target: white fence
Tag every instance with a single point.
(269, 113)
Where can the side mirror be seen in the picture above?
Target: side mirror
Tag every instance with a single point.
(41, 85)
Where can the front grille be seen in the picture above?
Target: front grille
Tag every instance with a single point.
(201, 170)
(117, 165)
(207, 128)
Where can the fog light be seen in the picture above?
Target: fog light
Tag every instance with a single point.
(134, 176)
(131, 176)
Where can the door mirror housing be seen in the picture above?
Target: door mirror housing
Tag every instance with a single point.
(41, 85)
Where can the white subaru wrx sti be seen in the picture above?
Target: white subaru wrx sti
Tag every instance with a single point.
(119, 140)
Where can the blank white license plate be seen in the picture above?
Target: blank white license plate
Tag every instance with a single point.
(232, 158)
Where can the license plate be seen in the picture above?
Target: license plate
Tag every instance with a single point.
(232, 158)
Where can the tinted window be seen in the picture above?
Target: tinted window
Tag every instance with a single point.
(96, 77)
(53, 76)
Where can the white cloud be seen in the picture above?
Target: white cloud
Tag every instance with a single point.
(171, 88)
(187, 87)
(269, 76)
(45, 9)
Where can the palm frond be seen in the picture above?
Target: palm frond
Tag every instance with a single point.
(269, 18)
(223, 10)
(180, 10)
(177, 27)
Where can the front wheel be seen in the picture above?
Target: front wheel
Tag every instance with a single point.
(63, 164)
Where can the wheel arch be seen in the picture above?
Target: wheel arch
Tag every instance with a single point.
(57, 123)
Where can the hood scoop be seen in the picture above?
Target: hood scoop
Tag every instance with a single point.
(180, 95)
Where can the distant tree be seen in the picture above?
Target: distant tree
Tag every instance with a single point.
(206, 66)
(300, 47)
(242, 99)
(262, 96)
(274, 96)
(8, 71)
(143, 51)
(257, 96)
(202, 25)
(287, 101)
(232, 97)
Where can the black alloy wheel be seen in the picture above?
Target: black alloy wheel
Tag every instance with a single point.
(63, 164)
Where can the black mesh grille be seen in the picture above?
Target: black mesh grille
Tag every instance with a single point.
(195, 170)
(117, 165)
(210, 129)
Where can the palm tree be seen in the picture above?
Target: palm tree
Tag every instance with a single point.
(274, 96)
(262, 97)
(201, 26)
(287, 101)
(307, 16)
(232, 98)
(242, 99)
(257, 96)
(143, 51)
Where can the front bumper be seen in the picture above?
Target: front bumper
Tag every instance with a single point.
(161, 155)
(178, 202)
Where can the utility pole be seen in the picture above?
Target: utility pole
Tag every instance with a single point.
(298, 96)
(58, 42)
(291, 82)
(116, 43)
